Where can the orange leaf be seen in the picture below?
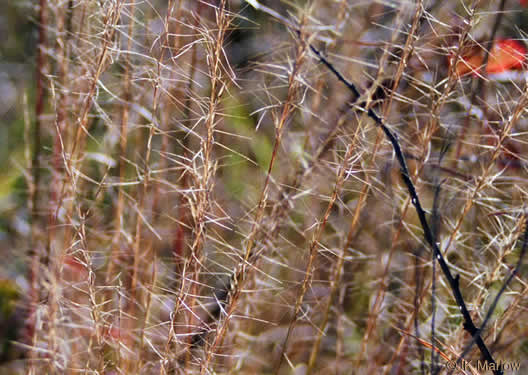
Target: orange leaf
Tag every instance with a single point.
(470, 62)
(506, 55)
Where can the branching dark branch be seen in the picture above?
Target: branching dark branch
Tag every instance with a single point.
(453, 281)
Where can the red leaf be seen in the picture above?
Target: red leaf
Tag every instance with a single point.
(506, 55)
(470, 62)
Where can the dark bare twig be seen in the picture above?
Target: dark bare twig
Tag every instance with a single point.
(453, 281)
(435, 224)
(418, 277)
(221, 300)
(435, 227)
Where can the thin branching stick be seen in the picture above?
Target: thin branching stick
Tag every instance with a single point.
(453, 281)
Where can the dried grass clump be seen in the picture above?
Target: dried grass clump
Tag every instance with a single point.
(205, 194)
